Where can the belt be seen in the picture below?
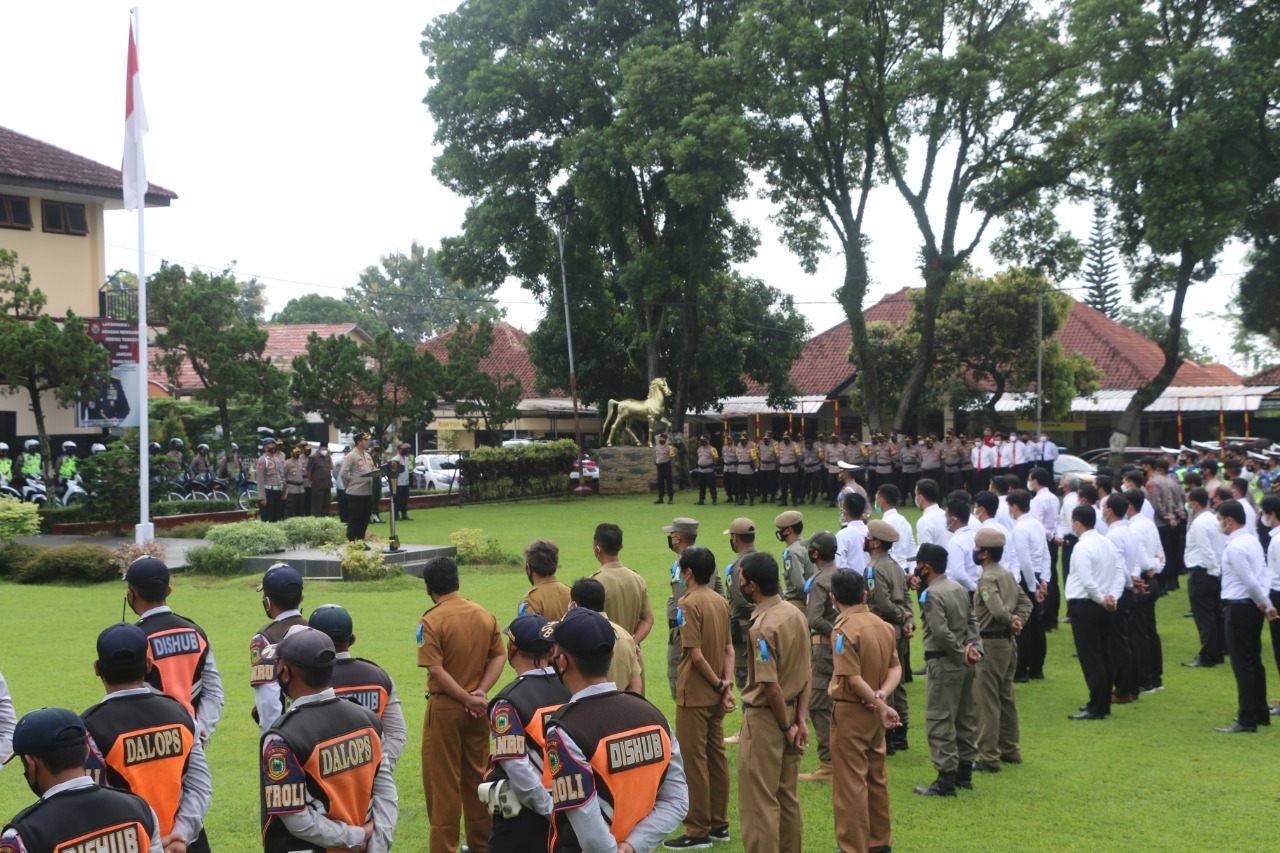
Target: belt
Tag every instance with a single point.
(706, 469)
(790, 703)
(272, 488)
(1197, 569)
(1241, 601)
(743, 623)
(934, 655)
(788, 469)
(996, 635)
(819, 640)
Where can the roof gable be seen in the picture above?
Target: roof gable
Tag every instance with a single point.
(510, 354)
(28, 162)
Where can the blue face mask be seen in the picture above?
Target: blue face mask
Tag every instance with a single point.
(976, 556)
(878, 510)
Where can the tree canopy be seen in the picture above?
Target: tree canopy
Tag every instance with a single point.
(315, 309)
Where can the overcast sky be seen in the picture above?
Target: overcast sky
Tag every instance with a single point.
(296, 139)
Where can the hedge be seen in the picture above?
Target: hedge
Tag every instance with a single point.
(527, 470)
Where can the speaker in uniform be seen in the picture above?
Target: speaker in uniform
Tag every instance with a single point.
(73, 812)
(143, 741)
(281, 590)
(324, 781)
(616, 773)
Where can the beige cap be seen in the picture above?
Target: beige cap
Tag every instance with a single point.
(682, 525)
(741, 525)
(989, 537)
(790, 518)
(882, 530)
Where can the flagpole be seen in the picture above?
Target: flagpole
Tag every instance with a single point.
(145, 531)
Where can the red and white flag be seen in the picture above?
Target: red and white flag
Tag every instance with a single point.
(135, 127)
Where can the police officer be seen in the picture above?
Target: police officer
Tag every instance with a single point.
(201, 464)
(270, 482)
(281, 590)
(358, 486)
(184, 665)
(29, 463)
(729, 452)
(811, 463)
(295, 484)
(707, 457)
(788, 470)
(796, 566)
(617, 779)
(325, 782)
(953, 458)
(1001, 609)
(931, 460)
(461, 648)
(362, 681)
(746, 485)
(516, 719)
(143, 741)
(52, 744)
(681, 533)
(662, 459)
(887, 598)
(951, 649)
(821, 615)
(742, 541)
(909, 456)
(177, 454)
(65, 466)
(768, 455)
(775, 705)
(549, 596)
(833, 455)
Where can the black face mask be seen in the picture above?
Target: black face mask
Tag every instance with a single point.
(670, 545)
(782, 537)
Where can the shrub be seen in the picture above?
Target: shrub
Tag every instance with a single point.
(475, 546)
(159, 510)
(51, 514)
(308, 532)
(189, 530)
(359, 564)
(74, 563)
(18, 518)
(248, 538)
(498, 473)
(15, 556)
(217, 560)
(124, 556)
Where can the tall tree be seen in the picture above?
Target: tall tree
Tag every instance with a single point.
(1102, 287)
(39, 354)
(414, 297)
(1178, 137)
(1152, 322)
(313, 308)
(204, 326)
(486, 400)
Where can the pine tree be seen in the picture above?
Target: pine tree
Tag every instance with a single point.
(1102, 289)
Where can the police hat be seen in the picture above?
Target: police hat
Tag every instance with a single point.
(882, 530)
(279, 578)
(531, 633)
(847, 466)
(47, 729)
(934, 555)
(687, 526)
(306, 647)
(122, 644)
(824, 542)
(740, 526)
(989, 538)
(147, 572)
(584, 634)
(364, 436)
(268, 441)
(333, 620)
(790, 518)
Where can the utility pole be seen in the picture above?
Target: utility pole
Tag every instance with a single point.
(1039, 355)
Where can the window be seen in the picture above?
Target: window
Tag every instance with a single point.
(15, 212)
(63, 217)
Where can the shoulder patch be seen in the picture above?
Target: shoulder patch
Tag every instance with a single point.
(520, 611)
(284, 789)
(679, 617)
(8, 847)
(871, 578)
(839, 646)
(986, 594)
(421, 636)
(508, 734)
(572, 784)
(764, 649)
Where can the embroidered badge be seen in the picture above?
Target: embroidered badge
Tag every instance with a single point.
(839, 643)
(422, 638)
(277, 763)
(764, 650)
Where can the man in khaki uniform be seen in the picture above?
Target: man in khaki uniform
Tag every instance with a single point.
(833, 454)
(951, 649)
(626, 670)
(681, 533)
(460, 645)
(742, 541)
(775, 703)
(821, 616)
(887, 598)
(626, 595)
(1001, 608)
(796, 565)
(866, 670)
(746, 468)
(704, 694)
(767, 453)
(549, 597)
(707, 457)
(789, 470)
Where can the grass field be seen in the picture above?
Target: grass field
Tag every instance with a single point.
(1155, 775)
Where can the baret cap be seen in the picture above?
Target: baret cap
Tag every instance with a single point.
(989, 538)
(47, 729)
(882, 530)
(531, 633)
(824, 542)
(584, 634)
(147, 572)
(741, 525)
(790, 518)
(333, 620)
(279, 578)
(682, 525)
(305, 646)
(122, 644)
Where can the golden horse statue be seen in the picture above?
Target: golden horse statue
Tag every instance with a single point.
(625, 413)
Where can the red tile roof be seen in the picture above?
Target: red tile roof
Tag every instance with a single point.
(28, 162)
(1270, 376)
(509, 354)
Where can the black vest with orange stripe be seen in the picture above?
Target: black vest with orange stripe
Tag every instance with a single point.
(338, 745)
(627, 743)
(85, 819)
(363, 682)
(178, 648)
(534, 698)
(145, 742)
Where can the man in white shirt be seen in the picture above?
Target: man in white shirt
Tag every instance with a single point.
(1092, 589)
(1205, 542)
(960, 565)
(986, 507)
(1033, 558)
(1048, 452)
(1148, 654)
(931, 527)
(983, 458)
(1001, 486)
(1063, 540)
(850, 538)
(1245, 598)
(1270, 512)
(904, 550)
(1115, 510)
(848, 486)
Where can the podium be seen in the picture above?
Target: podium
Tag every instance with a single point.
(391, 472)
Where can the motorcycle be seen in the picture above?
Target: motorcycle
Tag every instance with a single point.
(70, 491)
(34, 490)
(7, 490)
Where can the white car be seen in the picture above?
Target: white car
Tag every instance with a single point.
(438, 472)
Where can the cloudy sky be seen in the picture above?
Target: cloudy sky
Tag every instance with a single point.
(296, 138)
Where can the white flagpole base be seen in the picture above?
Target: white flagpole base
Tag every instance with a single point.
(144, 533)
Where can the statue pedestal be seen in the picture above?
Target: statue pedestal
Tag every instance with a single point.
(627, 471)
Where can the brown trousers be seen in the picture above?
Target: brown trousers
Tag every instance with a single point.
(860, 789)
(995, 703)
(768, 806)
(455, 753)
(320, 502)
(700, 732)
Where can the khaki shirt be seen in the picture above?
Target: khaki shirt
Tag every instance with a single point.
(740, 607)
(778, 647)
(887, 592)
(999, 599)
(787, 457)
(678, 589)
(948, 620)
(819, 610)
(796, 569)
(704, 624)
(626, 595)
(461, 637)
(549, 598)
(626, 657)
(270, 471)
(930, 458)
(354, 466)
(768, 454)
(706, 458)
(661, 453)
(811, 458)
(862, 645)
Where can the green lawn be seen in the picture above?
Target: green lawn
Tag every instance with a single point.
(1153, 776)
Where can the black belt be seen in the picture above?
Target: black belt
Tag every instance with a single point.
(996, 635)
(785, 471)
(671, 623)
(707, 470)
(790, 703)
(934, 655)
(1197, 569)
(1241, 601)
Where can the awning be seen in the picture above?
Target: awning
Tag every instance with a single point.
(759, 406)
(1185, 398)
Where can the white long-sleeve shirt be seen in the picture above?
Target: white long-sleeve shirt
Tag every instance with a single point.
(1151, 556)
(983, 457)
(1010, 559)
(1205, 542)
(849, 553)
(1033, 550)
(1004, 516)
(904, 550)
(1097, 570)
(1044, 507)
(1273, 564)
(1244, 569)
(931, 527)
(1069, 502)
(8, 722)
(960, 565)
(1122, 538)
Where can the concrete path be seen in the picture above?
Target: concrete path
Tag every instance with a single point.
(175, 550)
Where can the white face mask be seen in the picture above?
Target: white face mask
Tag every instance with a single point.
(324, 453)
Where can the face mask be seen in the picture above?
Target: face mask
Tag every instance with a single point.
(670, 545)
(1268, 520)
(781, 536)
(1013, 438)
(324, 453)
(866, 546)
(662, 441)
(878, 510)
(976, 556)
(986, 433)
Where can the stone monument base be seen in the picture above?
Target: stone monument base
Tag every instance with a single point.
(627, 471)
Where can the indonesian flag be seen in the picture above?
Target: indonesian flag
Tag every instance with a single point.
(134, 169)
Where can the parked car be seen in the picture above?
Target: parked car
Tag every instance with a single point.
(590, 470)
(438, 472)
(1075, 466)
(1098, 456)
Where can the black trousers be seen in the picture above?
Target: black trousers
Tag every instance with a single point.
(745, 488)
(768, 481)
(1174, 542)
(273, 509)
(1091, 630)
(296, 505)
(789, 486)
(1120, 647)
(319, 502)
(342, 505)
(812, 484)
(400, 504)
(525, 833)
(1053, 598)
(358, 509)
(730, 484)
(907, 486)
(1275, 629)
(1032, 646)
(1205, 592)
(833, 486)
(1244, 644)
(664, 479)
(952, 481)
(707, 480)
(1148, 655)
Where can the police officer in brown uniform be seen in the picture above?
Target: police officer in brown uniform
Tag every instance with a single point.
(745, 485)
(662, 461)
(73, 812)
(887, 598)
(1001, 608)
(821, 615)
(681, 533)
(281, 590)
(707, 456)
(866, 670)
(788, 470)
(626, 595)
(775, 706)
(461, 647)
(549, 597)
(767, 452)
(742, 541)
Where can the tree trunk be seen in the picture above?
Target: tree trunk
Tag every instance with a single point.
(851, 295)
(37, 410)
(1172, 347)
(224, 418)
(936, 276)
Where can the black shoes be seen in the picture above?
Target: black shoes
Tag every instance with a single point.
(979, 767)
(964, 775)
(720, 835)
(943, 786)
(1199, 663)
(1237, 729)
(1022, 679)
(1086, 715)
(688, 842)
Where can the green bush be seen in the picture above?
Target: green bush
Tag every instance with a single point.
(164, 508)
(359, 564)
(475, 546)
(15, 556)
(248, 538)
(309, 532)
(500, 473)
(51, 514)
(189, 530)
(72, 563)
(18, 518)
(217, 560)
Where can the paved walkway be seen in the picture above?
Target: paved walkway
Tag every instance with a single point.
(175, 550)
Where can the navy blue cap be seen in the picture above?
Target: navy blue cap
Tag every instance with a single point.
(279, 578)
(584, 634)
(47, 729)
(307, 647)
(333, 620)
(531, 633)
(147, 572)
(122, 644)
